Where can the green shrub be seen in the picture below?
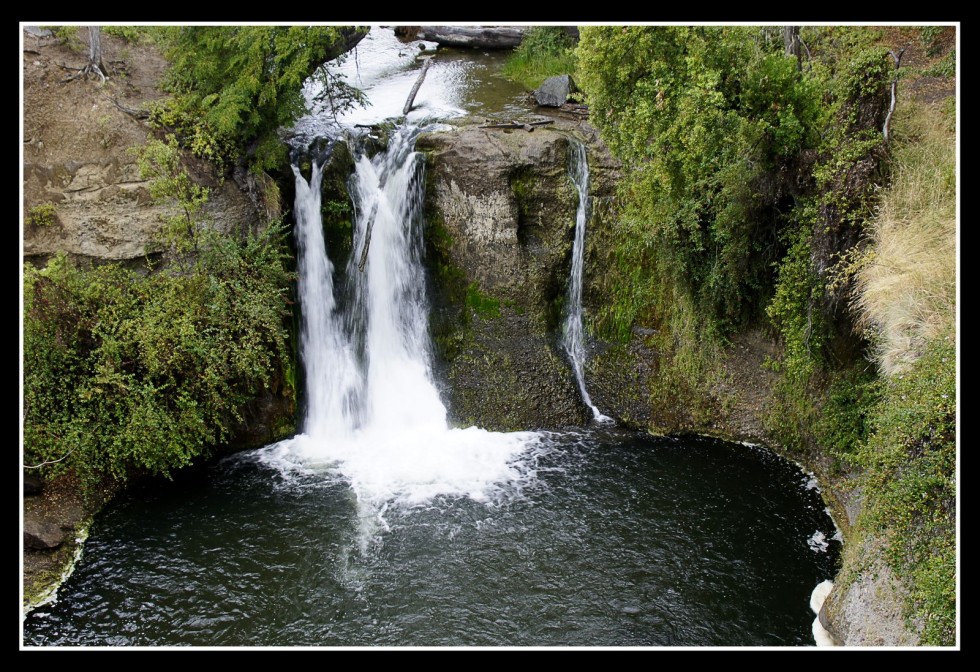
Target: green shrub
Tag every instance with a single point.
(127, 373)
(133, 34)
(44, 214)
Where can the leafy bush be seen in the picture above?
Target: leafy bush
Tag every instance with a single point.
(125, 372)
(44, 214)
(160, 162)
(133, 34)
(707, 119)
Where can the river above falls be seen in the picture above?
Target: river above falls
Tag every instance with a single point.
(459, 82)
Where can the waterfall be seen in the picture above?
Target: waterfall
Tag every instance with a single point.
(387, 193)
(572, 338)
(332, 381)
(373, 411)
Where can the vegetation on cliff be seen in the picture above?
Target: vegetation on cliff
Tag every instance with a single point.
(755, 169)
(128, 372)
(234, 87)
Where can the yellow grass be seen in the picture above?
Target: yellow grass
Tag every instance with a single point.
(906, 291)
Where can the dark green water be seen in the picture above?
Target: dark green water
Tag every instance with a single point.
(609, 539)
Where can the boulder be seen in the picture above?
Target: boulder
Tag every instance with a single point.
(42, 536)
(554, 91)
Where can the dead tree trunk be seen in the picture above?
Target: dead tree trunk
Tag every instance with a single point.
(94, 56)
(95, 48)
(891, 108)
(415, 88)
(791, 39)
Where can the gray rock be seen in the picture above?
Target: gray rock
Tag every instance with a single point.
(554, 91)
(42, 536)
(867, 610)
(38, 31)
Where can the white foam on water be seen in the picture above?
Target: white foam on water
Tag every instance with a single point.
(818, 542)
(408, 468)
(821, 637)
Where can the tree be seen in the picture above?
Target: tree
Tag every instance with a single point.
(94, 56)
(235, 86)
(710, 121)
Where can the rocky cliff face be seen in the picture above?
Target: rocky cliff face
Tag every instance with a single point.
(501, 215)
(78, 157)
(79, 166)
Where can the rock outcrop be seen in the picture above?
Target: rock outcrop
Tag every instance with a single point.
(42, 536)
(554, 91)
(501, 216)
(868, 611)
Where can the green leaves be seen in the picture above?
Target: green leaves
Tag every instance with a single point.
(160, 163)
(147, 373)
(703, 116)
(238, 85)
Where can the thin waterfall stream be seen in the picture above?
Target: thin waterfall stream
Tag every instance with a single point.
(572, 336)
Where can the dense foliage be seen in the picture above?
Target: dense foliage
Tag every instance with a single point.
(124, 371)
(127, 372)
(235, 86)
(753, 178)
(714, 123)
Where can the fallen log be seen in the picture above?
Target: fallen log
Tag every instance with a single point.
(136, 114)
(529, 125)
(415, 88)
(477, 37)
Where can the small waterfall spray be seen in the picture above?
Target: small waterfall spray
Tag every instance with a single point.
(572, 337)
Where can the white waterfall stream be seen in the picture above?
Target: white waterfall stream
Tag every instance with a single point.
(373, 410)
(572, 336)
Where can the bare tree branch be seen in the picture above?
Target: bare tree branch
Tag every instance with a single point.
(891, 109)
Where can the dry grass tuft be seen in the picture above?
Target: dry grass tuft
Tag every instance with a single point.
(906, 288)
